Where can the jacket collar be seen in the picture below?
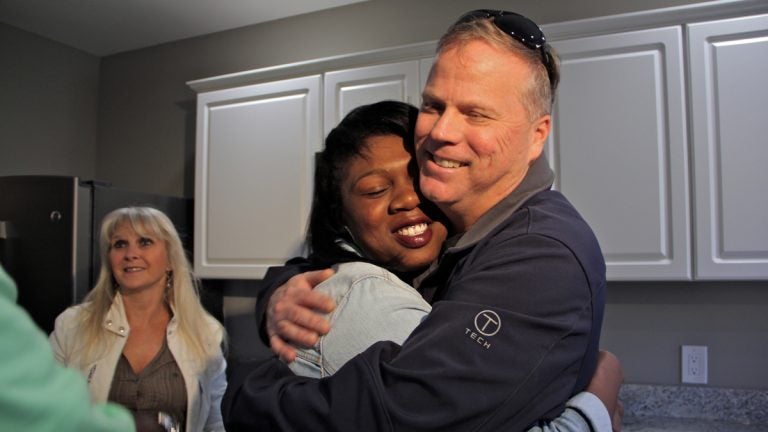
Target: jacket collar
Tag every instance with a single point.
(116, 320)
(538, 178)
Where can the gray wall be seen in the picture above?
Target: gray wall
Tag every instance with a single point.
(145, 138)
(146, 111)
(645, 324)
(48, 106)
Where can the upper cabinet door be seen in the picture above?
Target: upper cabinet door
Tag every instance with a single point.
(618, 147)
(349, 88)
(729, 106)
(254, 174)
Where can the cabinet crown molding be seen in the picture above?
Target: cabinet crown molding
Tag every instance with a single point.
(315, 66)
(678, 15)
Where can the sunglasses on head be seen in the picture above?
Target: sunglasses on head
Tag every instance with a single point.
(518, 28)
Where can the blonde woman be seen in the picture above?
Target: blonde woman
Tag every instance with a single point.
(141, 336)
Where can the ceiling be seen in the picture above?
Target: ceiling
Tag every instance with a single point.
(104, 27)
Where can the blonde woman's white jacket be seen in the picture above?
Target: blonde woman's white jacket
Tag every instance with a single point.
(205, 384)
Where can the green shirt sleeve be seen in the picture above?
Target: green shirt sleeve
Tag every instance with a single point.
(37, 393)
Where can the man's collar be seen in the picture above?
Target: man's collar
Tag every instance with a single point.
(538, 178)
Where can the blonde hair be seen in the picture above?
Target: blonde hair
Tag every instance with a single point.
(539, 95)
(193, 320)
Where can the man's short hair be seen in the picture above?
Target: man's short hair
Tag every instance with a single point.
(540, 94)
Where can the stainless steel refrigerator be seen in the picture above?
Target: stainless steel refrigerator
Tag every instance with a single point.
(49, 236)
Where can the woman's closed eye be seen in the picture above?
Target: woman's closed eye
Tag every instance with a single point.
(373, 193)
(372, 186)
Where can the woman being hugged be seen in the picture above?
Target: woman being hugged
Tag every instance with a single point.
(141, 336)
(370, 223)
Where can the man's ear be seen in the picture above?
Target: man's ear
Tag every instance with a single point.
(540, 130)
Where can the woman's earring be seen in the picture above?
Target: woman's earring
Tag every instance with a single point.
(168, 280)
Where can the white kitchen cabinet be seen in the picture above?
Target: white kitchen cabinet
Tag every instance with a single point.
(729, 115)
(666, 164)
(254, 175)
(255, 159)
(349, 88)
(618, 147)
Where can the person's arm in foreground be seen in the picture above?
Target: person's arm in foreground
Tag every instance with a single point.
(446, 376)
(37, 393)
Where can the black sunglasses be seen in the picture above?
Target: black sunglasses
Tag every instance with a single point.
(518, 28)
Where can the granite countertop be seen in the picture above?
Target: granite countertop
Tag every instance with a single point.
(652, 408)
(658, 424)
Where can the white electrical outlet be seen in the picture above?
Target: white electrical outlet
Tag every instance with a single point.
(694, 364)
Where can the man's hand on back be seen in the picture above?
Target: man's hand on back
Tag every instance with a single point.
(295, 313)
(606, 384)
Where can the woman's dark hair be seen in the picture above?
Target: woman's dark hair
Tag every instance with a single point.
(345, 142)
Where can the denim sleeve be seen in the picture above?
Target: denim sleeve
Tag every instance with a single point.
(373, 308)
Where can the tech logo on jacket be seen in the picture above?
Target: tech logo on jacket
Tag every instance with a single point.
(487, 324)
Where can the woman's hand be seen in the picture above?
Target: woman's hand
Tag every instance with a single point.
(295, 313)
(606, 383)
